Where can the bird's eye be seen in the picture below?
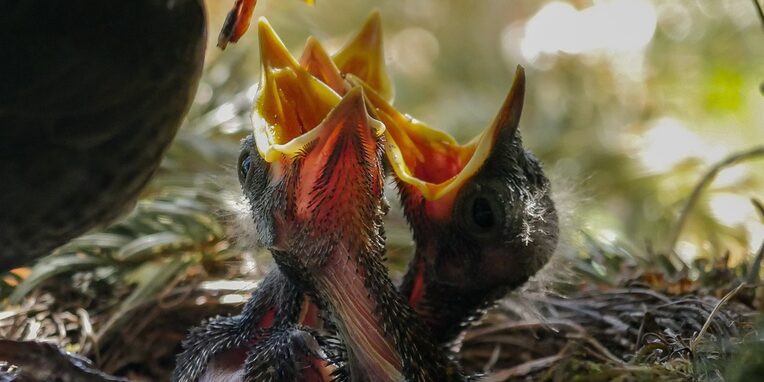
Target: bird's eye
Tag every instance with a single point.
(482, 215)
(481, 210)
(245, 163)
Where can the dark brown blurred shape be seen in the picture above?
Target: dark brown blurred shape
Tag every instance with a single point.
(93, 92)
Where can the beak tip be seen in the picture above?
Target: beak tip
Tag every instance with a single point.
(273, 52)
(355, 95)
(263, 25)
(519, 80)
(265, 34)
(371, 32)
(375, 18)
(509, 114)
(351, 107)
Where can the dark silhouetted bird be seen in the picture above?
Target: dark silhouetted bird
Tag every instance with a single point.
(92, 94)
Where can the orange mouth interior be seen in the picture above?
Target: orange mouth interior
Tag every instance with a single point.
(429, 155)
(296, 96)
(290, 102)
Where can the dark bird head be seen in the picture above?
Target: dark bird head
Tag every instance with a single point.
(313, 165)
(481, 213)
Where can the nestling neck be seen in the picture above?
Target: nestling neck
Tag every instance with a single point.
(372, 355)
(385, 339)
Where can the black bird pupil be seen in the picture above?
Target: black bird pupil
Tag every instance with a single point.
(245, 165)
(482, 214)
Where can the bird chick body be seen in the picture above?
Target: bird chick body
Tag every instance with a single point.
(461, 265)
(486, 236)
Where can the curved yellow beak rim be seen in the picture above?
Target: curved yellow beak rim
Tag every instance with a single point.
(431, 160)
(364, 57)
(295, 97)
(289, 103)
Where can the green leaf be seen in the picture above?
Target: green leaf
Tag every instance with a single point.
(152, 245)
(150, 279)
(51, 266)
(96, 244)
(185, 221)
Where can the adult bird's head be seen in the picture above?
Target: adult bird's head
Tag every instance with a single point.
(481, 213)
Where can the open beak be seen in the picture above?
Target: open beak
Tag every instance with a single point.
(342, 166)
(295, 96)
(299, 117)
(317, 62)
(290, 102)
(431, 160)
(362, 57)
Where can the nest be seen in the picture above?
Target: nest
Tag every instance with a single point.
(631, 332)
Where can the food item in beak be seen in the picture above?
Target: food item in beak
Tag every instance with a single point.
(237, 21)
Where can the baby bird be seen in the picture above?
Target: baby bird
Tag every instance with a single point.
(445, 299)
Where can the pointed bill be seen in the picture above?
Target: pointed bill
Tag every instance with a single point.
(289, 103)
(431, 160)
(317, 62)
(344, 141)
(507, 119)
(364, 57)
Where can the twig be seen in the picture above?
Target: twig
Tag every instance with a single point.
(523, 369)
(705, 181)
(598, 346)
(694, 342)
(523, 325)
(759, 207)
(753, 273)
(759, 11)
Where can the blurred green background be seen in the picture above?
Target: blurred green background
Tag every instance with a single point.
(628, 104)
(629, 101)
